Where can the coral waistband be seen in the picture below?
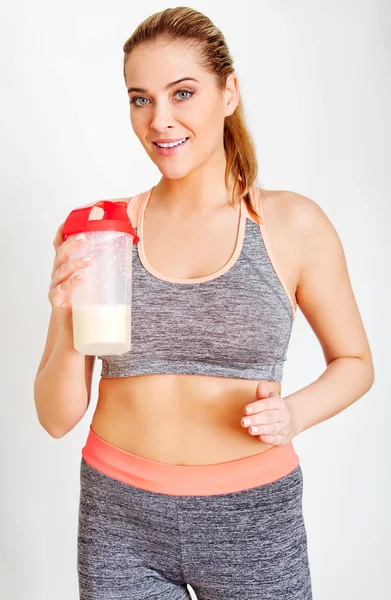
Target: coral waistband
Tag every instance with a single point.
(183, 480)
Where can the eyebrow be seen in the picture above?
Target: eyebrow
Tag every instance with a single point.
(143, 91)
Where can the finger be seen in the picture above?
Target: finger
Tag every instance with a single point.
(275, 440)
(65, 249)
(270, 429)
(262, 390)
(59, 237)
(71, 245)
(67, 270)
(59, 296)
(274, 415)
(269, 403)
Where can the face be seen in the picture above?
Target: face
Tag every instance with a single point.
(193, 108)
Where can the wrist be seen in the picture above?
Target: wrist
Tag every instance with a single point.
(296, 422)
(65, 338)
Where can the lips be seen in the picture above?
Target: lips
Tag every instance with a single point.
(170, 151)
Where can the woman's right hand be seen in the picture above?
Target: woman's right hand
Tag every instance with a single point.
(63, 276)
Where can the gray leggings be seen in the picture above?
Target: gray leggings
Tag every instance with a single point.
(135, 544)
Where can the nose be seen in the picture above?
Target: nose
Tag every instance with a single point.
(162, 118)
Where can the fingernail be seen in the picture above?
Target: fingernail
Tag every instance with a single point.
(87, 258)
(254, 429)
(80, 236)
(246, 422)
(249, 410)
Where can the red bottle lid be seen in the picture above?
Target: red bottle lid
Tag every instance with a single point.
(115, 217)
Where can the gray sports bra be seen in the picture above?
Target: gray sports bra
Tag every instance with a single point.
(235, 322)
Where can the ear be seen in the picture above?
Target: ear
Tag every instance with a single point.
(231, 94)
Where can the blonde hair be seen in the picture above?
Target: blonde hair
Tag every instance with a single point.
(196, 30)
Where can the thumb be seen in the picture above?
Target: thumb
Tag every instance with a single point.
(262, 390)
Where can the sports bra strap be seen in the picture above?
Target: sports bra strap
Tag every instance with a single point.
(257, 201)
(134, 208)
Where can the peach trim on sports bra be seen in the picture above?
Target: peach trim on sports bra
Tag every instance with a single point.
(224, 269)
(266, 241)
(180, 480)
(136, 209)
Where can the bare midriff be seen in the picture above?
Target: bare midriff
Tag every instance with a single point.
(179, 419)
(188, 419)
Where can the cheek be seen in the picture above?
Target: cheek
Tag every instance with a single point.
(209, 120)
(137, 121)
(208, 131)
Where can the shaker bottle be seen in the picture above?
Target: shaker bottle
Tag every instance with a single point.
(101, 303)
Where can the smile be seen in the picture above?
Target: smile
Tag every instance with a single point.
(170, 149)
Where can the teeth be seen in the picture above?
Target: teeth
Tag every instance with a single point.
(171, 145)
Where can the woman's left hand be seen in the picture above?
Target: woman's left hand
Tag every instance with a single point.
(270, 418)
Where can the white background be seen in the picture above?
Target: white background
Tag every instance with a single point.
(315, 79)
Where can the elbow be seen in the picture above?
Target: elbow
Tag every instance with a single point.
(369, 374)
(372, 378)
(57, 429)
(57, 423)
(54, 432)
(57, 433)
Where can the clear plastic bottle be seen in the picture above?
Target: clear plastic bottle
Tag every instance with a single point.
(102, 302)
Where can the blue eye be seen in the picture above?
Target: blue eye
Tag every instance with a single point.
(133, 100)
(186, 92)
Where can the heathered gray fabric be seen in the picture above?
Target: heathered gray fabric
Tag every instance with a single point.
(235, 325)
(141, 545)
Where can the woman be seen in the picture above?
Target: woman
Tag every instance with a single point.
(189, 475)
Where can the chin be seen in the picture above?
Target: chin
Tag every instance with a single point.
(172, 173)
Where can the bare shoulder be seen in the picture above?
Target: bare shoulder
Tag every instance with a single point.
(303, 239)
(294, 210)
(303, 222)
(286, 216)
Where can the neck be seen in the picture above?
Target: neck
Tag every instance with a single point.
(199, 192)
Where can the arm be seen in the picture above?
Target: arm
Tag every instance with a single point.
(62, 387)
(326, 299)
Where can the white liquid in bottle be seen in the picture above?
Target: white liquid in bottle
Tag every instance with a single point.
(99, 329)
